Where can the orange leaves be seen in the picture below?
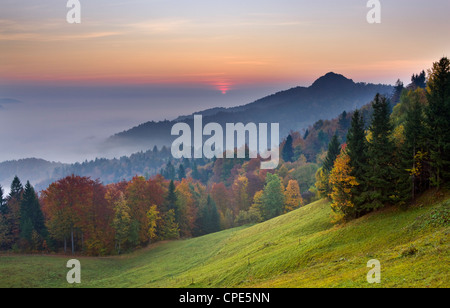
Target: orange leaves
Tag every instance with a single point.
(342, 183)
(293, 198)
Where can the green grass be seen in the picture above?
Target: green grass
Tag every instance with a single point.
(300, 249)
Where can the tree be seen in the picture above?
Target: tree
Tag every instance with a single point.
(357, 152)
(181, 172)
(121, 222)
(10, 216)
(152, 218)
(240, 197)
(16, 189)
(208, 218)
(323, 174)
(438, 120)
(31, 216)
(170, 229)
(2, 200)
(342, 183)
(412, 174)
(419, 80)
(398, 89)
(169, 172)
(293, 198)
(76, 209)
(381, 173)
(171, 199)
(288, 150)
(333, 152)
(272, 202)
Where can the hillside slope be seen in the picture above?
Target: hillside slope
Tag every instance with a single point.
(299, 249)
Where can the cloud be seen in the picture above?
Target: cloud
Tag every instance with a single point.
(9, 101)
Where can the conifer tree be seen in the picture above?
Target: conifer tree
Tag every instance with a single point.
(2, 200)
(334, 148)
(357, 152)
(438, 120)
(412, 153)
(16, 189)
(288, 150)
(31, 216)
(181, 172)
(381, 172)
(323, 174)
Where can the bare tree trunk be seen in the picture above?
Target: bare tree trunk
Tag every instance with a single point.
(73, 245)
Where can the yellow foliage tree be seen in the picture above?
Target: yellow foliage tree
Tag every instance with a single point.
(342, 183)
(293, 198)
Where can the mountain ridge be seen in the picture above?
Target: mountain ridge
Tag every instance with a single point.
(295, 109)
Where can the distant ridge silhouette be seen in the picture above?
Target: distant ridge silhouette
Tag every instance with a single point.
(294, 109)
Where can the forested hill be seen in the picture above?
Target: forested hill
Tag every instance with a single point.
(294, 109)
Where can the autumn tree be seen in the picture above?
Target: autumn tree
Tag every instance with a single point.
(64, 203)
(121, 222)
(240, 197)
(169, 229)
(152, 222)
(186, 213)
(323, 174)
(293, 198)
(342, 183)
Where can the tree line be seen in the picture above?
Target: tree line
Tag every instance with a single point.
(79, 215)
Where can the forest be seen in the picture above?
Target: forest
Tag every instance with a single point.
(384, 154)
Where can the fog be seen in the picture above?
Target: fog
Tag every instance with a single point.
(70, 123)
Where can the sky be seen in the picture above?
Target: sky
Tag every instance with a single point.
(66, 87)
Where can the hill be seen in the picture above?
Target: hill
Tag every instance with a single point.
(295, 109)
(30, 169)
(299, 249)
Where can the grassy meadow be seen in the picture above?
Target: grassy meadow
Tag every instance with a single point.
(300, 249)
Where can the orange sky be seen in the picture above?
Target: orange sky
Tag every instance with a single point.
(222, 45)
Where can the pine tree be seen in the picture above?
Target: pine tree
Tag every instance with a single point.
(2, 200)
(438, 120)
(419, 80)
(357, 152)
(323, 174)
(381, 173)
(288, 150)
(16, 189)
(398, 89)
(181, 172)
(171, 199)
(31, 216)
(334, 148)
(209, 219)
(169, 172)
(412, 152)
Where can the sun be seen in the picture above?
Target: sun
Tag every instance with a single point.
(223, 87)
